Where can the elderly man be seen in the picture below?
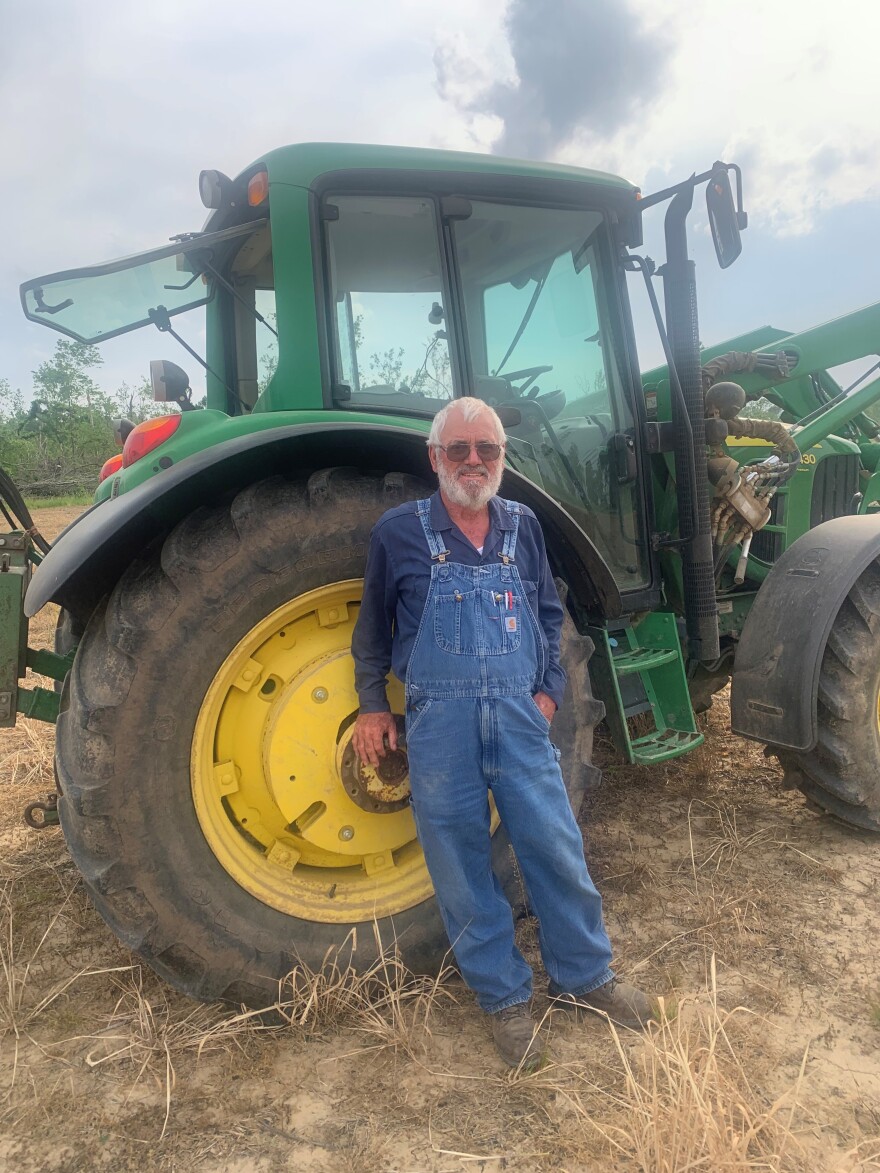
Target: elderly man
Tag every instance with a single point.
(460, 602)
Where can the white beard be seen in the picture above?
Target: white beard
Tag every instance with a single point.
(469, 494)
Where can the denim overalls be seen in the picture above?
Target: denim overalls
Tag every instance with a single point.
(472, 725)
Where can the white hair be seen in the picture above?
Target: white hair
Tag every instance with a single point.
(470, 408)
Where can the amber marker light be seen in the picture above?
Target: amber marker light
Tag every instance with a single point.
(109, 467)
(147, 436)
(258, 188)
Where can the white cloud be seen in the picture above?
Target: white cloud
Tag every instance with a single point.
(111, 110)
(789, 91)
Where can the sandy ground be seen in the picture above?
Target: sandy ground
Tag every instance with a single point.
(755, 919)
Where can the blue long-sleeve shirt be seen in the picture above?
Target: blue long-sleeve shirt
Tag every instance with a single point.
(398, 577)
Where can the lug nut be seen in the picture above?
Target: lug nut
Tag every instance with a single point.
(319, 695)
(346, 834)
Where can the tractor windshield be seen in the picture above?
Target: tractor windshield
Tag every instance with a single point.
(541, 336)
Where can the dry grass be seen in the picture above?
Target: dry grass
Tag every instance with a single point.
(23, 1000)
(692, 1095)
(389, 1007)
(691, 1104)
(29, 760)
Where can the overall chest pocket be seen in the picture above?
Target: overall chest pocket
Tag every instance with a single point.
(457, 621)
(478, 622)
(503, 618)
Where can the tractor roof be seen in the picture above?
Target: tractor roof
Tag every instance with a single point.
(302, 163)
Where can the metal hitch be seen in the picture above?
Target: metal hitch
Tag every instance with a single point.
(48, 817)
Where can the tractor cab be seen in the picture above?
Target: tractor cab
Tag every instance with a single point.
(387, 291)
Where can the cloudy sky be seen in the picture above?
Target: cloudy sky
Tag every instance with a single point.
(111, 108)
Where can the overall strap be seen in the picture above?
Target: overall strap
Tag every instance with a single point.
(508, 549)
(435, 542)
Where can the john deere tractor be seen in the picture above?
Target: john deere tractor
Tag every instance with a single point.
(207, 785)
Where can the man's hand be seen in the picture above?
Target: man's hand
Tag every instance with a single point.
(546, 704)
(370, 731)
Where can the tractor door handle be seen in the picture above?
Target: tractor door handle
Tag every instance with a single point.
(622, 448)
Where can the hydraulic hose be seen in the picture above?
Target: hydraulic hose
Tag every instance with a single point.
(777, 434)
(745, 361)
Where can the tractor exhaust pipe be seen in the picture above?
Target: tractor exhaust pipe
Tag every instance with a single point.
(680, 295)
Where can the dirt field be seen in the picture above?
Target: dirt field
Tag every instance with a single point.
(754, 918)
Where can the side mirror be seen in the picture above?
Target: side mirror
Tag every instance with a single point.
(170, 383)
(725, 219)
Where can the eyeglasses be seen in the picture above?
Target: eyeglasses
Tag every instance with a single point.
(460, 450)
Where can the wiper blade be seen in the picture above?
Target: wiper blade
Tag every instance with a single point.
(530, 309)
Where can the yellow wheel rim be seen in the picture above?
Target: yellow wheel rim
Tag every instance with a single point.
(281, 800)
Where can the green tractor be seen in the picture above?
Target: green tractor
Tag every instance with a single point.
(207, 786)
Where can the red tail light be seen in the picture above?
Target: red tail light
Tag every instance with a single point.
(147, 436)
(109, 467)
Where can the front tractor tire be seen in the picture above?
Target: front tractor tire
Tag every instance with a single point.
(842, 773)
(209, 793)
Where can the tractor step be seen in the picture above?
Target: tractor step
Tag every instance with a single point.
(642, 661)
(638, 671)
(657, 747)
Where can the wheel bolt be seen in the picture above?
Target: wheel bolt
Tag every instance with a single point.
(346, 833)
(319, 695)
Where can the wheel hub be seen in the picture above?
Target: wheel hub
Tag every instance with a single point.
(381, 788)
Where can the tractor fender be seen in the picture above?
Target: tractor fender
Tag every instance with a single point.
(91, 555)
(778, 659)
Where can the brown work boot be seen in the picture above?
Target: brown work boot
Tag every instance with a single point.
(624, 1004)
(516, 1037)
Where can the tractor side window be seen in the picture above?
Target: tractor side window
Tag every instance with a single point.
(386, 293)
(541, 338)
(256, 329)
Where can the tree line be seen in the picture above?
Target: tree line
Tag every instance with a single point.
(55, 440)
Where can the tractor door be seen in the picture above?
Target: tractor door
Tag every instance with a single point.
(543, 335)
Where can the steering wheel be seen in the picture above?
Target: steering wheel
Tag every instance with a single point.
(527, 373)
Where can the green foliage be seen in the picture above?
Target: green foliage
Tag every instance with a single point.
(57, 442)
(433, 377)
(761, 409)
(82, 499)
(386, 369)
(267, 358)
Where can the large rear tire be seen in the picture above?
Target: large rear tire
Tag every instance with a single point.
(842, 773)
(208, 793)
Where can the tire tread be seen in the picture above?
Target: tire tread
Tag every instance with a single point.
(842, 773)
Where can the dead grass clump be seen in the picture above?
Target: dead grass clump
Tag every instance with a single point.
(635, 874)
(387, 1002)
(687, 1102)
(148, 1032)
(807, 867)
(726, 842)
